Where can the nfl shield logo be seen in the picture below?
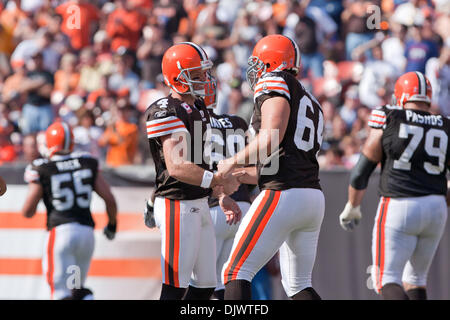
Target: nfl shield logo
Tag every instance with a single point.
(186, 107)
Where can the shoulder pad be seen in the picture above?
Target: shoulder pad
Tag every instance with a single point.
(38, 162)
(31, 173)
(159, 109)
(164, 124)
(377, 118)
(393, 107)
(81, 154)
(272, 82)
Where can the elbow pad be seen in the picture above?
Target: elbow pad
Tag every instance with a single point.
(359, 177)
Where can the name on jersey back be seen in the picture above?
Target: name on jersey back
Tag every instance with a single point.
(424, 119)
(221, 123)
(68, 165)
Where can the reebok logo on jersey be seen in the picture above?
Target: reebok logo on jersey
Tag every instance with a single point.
(160, 114)
(195, 210)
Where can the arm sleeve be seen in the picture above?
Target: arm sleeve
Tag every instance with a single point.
(360, 174)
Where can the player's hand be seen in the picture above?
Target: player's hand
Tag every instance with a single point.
(2, 186)
(217, 191)
(350, 216)
(230, 184)
(149, 217)
(225, 167)
(239, 174)
(231, 209)
(110, 231)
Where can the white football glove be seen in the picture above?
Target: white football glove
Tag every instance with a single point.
(350, 217)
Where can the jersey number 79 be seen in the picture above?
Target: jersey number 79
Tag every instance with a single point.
(439, 151)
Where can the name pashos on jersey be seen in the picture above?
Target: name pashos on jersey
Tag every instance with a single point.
(434, 120)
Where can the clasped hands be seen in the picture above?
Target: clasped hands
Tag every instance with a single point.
(226, 184)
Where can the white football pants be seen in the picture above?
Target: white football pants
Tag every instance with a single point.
(405, 237)
(288, 221)
(67, 257)
(224, 237)
(188, 246)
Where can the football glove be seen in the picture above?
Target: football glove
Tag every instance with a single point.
(149, 217)
(110, 231)
(350, 216)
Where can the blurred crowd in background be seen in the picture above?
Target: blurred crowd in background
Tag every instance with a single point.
(97, 64)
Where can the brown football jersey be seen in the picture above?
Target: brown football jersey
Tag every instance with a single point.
(228, 137)
(294, 164)
(170, 116)
(415, 151)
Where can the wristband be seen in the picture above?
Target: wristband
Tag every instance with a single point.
(207, 179)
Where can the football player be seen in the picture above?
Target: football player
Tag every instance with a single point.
(65, 181)
(288, 213)
(413, 148)
(176, 127)
(228, 136)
